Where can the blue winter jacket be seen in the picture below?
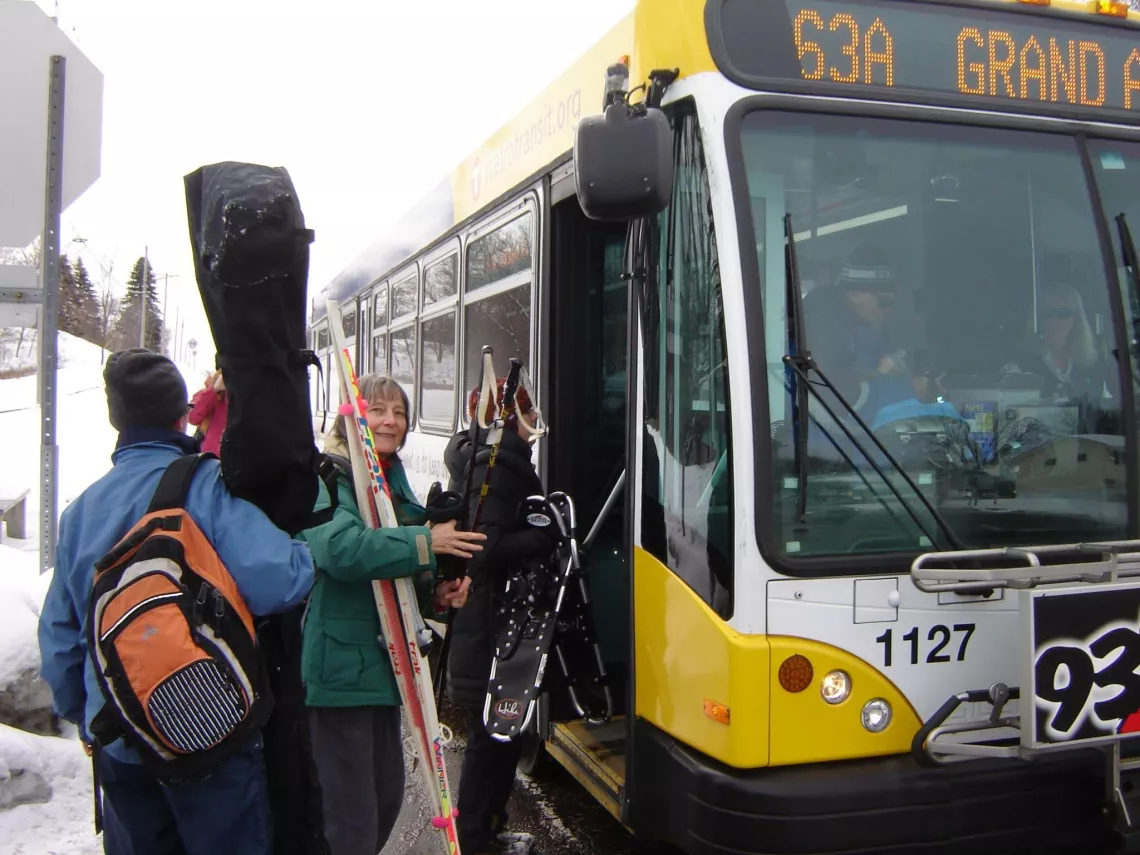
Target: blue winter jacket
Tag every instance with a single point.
(273, 572)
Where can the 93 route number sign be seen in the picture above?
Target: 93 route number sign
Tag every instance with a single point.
(1083, 659)
(942, 644)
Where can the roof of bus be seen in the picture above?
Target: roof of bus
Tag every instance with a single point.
(540, 134)
(669, 34)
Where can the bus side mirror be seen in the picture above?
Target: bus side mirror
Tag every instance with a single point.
(623, 164)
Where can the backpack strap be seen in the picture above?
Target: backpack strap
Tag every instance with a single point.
(328, 468)
(175, 484)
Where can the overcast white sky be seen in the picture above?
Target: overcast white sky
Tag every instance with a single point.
(367, 103)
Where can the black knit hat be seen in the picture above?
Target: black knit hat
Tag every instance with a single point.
(144, 389)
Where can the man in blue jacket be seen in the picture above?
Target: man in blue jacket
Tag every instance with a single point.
(228, 811)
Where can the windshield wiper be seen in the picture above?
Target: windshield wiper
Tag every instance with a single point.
(1132, 265)
(799, 356)
(803, 364)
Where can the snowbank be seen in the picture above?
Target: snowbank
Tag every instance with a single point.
(31, 765)
(84, 436)
(82, 431)
(22, 591)
(63, 825)
(17, 350)
(25, 699)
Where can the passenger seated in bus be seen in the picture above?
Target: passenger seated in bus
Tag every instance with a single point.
(849, 332)
(1063, 353)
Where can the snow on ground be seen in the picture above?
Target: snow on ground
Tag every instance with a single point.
(22, 590)
(555, 825)
(62, 826)
(17, 350)
(85, 438)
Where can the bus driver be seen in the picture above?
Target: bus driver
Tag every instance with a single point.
(850, 335)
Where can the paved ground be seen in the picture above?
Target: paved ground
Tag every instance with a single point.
(564, 818)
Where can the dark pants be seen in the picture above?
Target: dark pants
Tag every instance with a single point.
(485, 783)
(359, 754)
(226, 812)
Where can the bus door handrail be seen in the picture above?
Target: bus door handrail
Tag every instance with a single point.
(611, 500)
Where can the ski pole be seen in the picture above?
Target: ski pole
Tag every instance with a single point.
(506, 421)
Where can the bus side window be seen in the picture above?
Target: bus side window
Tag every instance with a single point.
(402, 339)
(437, 344)
(687, 487)
(497, 298)
(380, 329)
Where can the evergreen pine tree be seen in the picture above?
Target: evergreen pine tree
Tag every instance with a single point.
(88, 303)
(128, 324)
(68, 298)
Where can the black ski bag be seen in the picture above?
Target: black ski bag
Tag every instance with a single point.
(251, 259)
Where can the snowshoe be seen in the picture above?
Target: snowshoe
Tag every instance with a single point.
(526, 619)
(545, 610)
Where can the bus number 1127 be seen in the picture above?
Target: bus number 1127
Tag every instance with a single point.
(939, 636)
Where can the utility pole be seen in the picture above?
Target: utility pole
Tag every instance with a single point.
(145, 295)
(165, 284)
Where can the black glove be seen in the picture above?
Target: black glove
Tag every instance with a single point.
(444, 506)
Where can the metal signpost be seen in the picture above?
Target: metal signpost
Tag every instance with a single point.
(38, 66)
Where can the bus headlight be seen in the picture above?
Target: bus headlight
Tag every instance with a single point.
(876, 715)
(835, 687)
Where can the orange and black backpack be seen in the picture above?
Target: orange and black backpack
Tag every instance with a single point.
(174, 645)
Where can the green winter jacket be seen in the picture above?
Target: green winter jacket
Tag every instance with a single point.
(344, 662)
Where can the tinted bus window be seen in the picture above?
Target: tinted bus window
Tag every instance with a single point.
(502, 253)
(437, 362)
(380, 310)
(502, 321)
(348, 322)
(404, 297)
(441, 280)
(380, 354)
(402, 366)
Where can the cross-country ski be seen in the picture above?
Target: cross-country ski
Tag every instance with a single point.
(395, 602)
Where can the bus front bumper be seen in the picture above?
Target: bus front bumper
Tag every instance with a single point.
(891, 804)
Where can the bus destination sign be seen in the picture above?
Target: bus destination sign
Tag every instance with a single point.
(933, 48)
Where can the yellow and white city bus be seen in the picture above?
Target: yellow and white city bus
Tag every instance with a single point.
(841, 370)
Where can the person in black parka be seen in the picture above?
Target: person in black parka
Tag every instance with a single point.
(488, 771)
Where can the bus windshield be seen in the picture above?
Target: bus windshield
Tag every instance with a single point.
(955, 294)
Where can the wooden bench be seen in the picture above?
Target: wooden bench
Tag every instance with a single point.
(14, 513)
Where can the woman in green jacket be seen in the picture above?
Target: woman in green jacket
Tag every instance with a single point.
(354, 704)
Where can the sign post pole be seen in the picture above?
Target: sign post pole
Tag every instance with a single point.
(36, 60)
(49, 317)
